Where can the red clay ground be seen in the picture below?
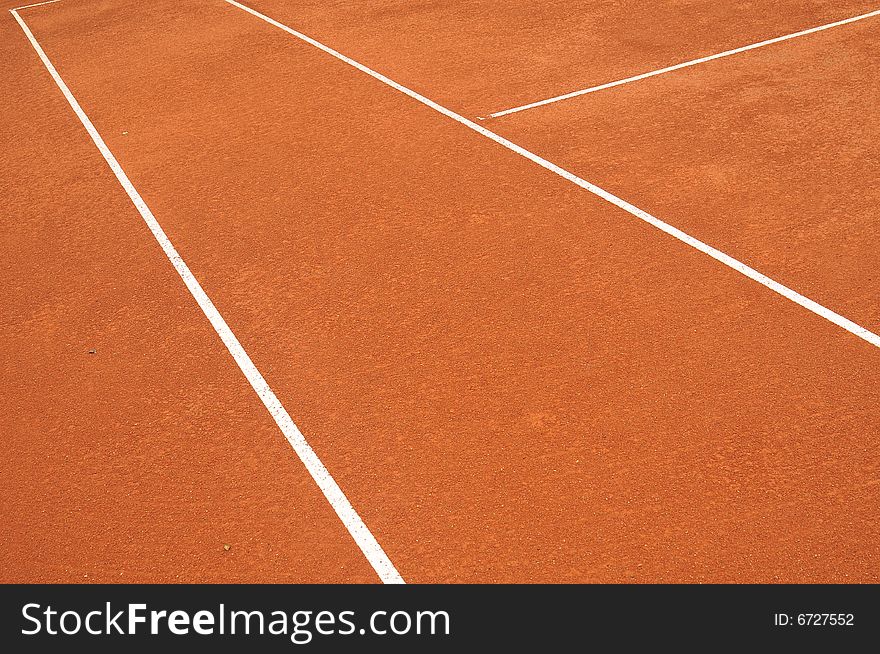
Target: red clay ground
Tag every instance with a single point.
(137, 463)
(511, 379)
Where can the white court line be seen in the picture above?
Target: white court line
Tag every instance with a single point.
(694, 62)
(36, 4)
(727, 260)
(350, 518)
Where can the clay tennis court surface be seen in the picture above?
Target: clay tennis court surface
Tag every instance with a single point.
(507, 375)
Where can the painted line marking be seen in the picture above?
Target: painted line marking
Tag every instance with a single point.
(686, 64)
(337, 499)
(723, 258)
(36, 4)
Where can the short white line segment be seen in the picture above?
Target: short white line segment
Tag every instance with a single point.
(337, 499)
(694, 62)
(727, 260)
(36, 4)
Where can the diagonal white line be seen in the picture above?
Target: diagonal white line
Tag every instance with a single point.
(686, 64)
(36, 4)
(337, 499)
(695, 243)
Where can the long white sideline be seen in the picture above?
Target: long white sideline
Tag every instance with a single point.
(633, 210)
(331, 490)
